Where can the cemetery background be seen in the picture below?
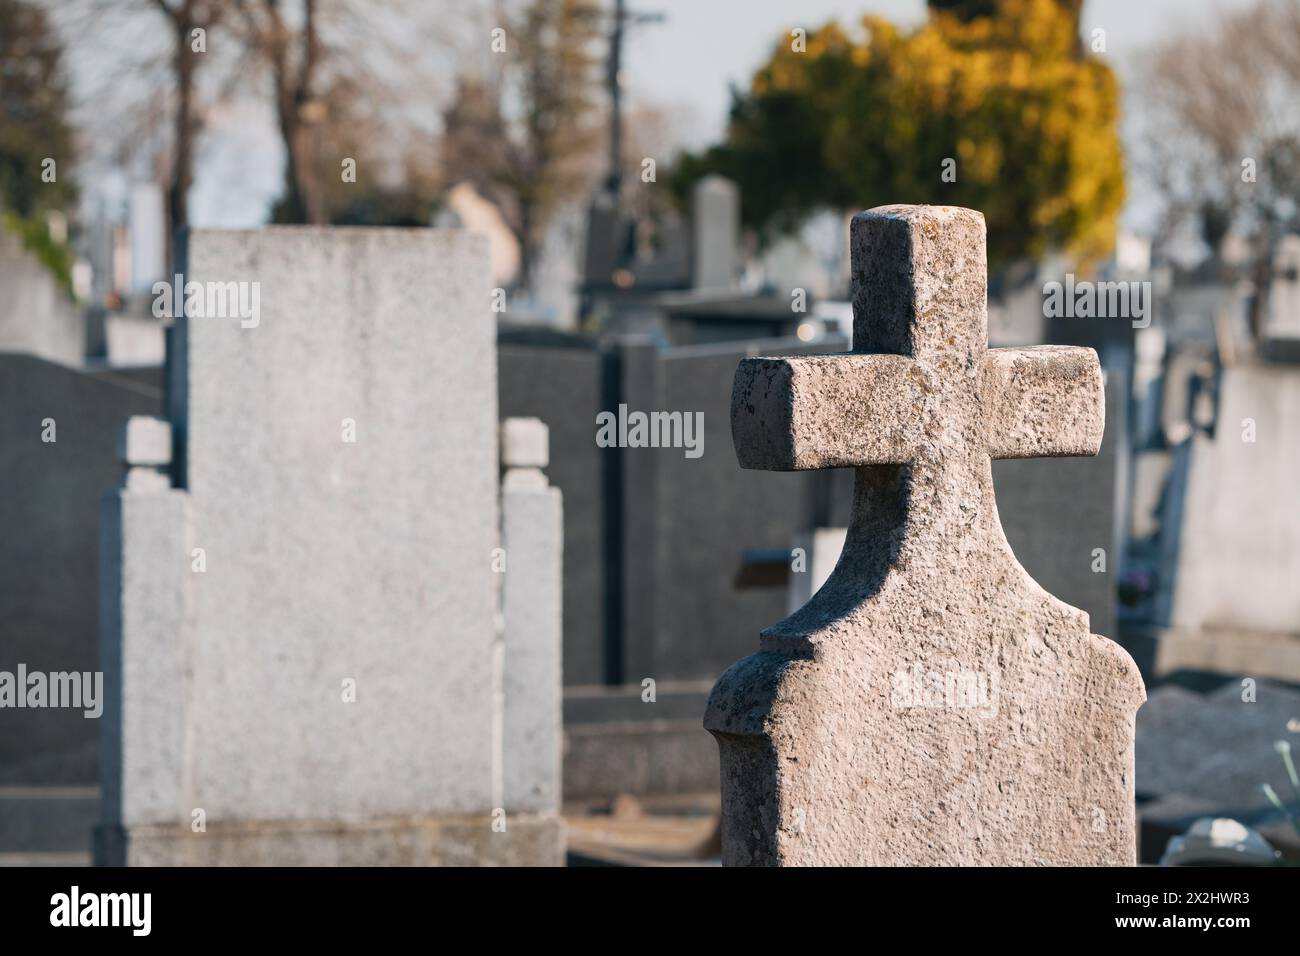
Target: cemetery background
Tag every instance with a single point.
(581, 675)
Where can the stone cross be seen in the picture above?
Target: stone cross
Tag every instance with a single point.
(931, 704)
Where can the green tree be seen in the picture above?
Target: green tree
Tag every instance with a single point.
(36, 140)
(1023, 122)
(970, 9)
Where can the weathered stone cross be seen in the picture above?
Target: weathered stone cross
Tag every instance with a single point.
(931, 704)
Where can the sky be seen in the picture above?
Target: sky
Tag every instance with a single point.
(685, 65)
(703, 45)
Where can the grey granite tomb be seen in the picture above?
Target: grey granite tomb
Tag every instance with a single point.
(304, 658)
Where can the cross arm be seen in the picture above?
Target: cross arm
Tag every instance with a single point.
(790, 414)
(1044, 401)
(841, 411)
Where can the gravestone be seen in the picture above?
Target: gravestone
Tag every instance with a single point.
(58, 432)
(1234, 606)
(715, 212)
(1206, 754)
(1284, 290)
(148, 237)
(931, 704)
(58, 449)
(303, 658)
(37, 315)
(531, 536)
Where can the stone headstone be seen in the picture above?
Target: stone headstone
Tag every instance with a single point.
(58, 430)
(603, 242)
(1284, 291)
(715, 212)
(301, 639)
(931, 704)
(531, 538)
(148, 237)
(1234, 607)
(1217, 747)
(37, 315)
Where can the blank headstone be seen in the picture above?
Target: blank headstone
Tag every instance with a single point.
(326, 688)
(715, 210)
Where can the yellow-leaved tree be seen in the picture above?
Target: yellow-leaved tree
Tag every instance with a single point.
(1004, 112)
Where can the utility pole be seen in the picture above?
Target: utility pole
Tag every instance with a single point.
(613, 66)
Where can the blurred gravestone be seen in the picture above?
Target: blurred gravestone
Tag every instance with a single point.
(37, 315)
(715, 210)
(303, 659)
(1235, 536)
(58, 451)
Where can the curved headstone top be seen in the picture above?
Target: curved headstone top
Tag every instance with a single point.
(931, 704)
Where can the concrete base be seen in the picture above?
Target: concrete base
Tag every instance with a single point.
(639, 758)
(616, 743)
(1253, 653)
(419, 841)
(58, 820)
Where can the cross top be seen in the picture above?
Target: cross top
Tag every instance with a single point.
(919, 282)
(921, 375)
(919, 406)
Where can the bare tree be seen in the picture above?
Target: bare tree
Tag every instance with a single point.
(1223, 132)
(185, 17)
(525, 134)
(293, 55)
(147, 96)
(322, 58)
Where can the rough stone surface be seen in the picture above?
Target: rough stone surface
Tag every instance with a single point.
(336, 664)
(419, 841)
(789, 413)
(1017, 745)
